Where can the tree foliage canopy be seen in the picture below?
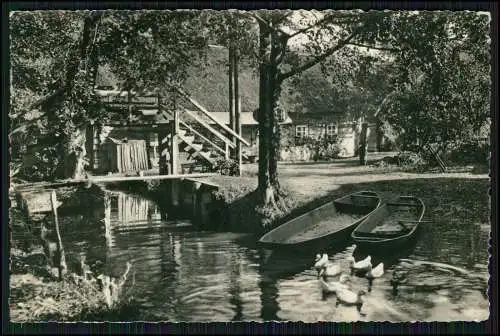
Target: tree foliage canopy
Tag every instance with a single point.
(54, 61)
(435, 66)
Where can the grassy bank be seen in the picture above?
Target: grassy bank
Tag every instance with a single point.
(460, 195)
(39, 299)
(242, 211)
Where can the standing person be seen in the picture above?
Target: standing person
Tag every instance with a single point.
(164, 159)
(168, 163)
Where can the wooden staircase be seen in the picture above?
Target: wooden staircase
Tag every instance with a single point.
(205, 142)
(196, 149)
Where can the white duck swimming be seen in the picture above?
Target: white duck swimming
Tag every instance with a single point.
(376, 272)
(321, 261)
(334, 286)
(330, 270)
(362, 265)
(350, 298)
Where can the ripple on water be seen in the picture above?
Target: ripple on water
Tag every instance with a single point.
(206, 276)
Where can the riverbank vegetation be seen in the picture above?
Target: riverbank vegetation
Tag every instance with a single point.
(37, 293)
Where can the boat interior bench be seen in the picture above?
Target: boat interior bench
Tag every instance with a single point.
(364, 199)
(404, 204)
(382, 234)
(405, 228)
(364, 196)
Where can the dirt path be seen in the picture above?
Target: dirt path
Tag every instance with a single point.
(310, 179)
(319, 181)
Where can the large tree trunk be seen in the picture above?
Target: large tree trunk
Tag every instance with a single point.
(72, 163)
(269, 132)
(275, 138)
(264, 183)
(274, 155)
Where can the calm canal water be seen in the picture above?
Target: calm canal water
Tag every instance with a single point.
(181, 274)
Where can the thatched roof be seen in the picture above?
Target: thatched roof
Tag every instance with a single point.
(208, 83)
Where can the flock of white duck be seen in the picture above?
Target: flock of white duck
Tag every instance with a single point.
(341, 287)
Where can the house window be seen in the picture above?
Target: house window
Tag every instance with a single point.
(331, 131)
(300, 131)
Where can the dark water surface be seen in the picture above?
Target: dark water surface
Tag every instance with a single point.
(181, 274)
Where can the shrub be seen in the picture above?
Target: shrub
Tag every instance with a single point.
(229, 194)
(226, 167)
(321, 149)
(469, 152)
(35, 299)
(409, 159)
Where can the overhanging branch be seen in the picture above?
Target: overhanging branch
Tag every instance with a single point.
(318, 24)
(319, 58)
(283, 18)
(73, 66)
(258, 18)
(374, 47)
(47, 97)
(333, 19)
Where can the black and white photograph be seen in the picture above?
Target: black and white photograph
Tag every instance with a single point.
(249, 165)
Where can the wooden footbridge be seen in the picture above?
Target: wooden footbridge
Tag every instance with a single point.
(106, 179)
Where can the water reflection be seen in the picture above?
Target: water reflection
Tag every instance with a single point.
(187, 275)
(268, 286)
(234, 286)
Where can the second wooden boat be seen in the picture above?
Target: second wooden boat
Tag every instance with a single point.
(392, 225)
(324, 226)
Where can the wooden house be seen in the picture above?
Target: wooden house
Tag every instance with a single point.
(209, 86)
(329, 128)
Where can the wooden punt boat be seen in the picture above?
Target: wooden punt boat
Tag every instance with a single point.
(390, 226)
(324, 226)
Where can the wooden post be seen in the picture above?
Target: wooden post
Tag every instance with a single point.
(174, 192)
(237, 111)
(148, 150)
(61, 264)
(232, 90)
(362, 144)
(174, 148)
(227, 151)
(129, 105)
(238, 142)
(379, 133)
